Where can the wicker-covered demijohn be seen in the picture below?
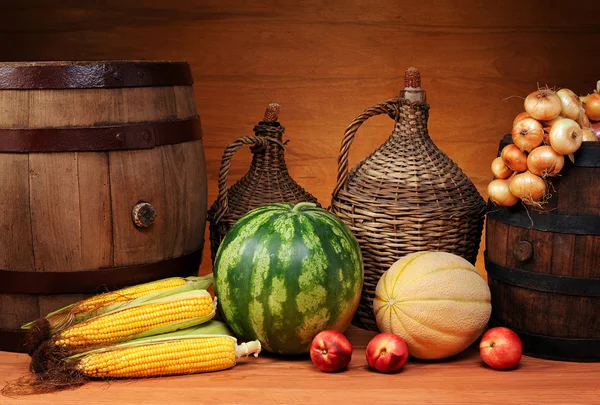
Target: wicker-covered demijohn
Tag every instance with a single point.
(406, 196)
(267, 181)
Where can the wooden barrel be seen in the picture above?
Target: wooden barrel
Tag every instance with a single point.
(102, 182)
(544, 267)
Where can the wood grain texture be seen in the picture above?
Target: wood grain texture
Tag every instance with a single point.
(196, 204)
(54, 203)
(462, 380)
(326, 62)
(95, 210)
(185, 187)
(137, 176)
(15, 224)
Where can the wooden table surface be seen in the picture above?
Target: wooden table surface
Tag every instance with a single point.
(269, 380)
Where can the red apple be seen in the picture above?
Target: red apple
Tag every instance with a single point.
(331, 350)
(387, 352)
(501, 348)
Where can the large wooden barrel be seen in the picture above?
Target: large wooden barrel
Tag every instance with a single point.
(102, 182)
(544, 266)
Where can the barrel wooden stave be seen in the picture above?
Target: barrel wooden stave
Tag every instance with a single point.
(71, 211)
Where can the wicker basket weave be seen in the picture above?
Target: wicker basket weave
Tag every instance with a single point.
(407, 196)
(267, 181)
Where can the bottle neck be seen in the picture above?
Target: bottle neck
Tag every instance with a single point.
(412, 121)
(271, 157)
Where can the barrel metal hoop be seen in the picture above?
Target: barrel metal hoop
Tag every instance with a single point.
(97, 280)
(103, 138)
(572, 224)
(93, 75)
(584, 287)
(556, 348)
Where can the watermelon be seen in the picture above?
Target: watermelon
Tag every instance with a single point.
(284, 273)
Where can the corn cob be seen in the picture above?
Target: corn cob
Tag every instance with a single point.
(129, 293)
(152, 317)
(109, 301)
(193, 350)
(167, 358)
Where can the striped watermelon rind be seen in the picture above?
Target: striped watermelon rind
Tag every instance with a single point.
(285, 272)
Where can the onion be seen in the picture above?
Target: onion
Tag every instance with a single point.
(543, 105)
(588, 136)
(527, 134)
(499, 193)
(520, 117)
(566, 136)
(595, 128)
(549, 123)
(591, 104)
(585, 120)
(571, 105)
(527, 186)
(500, 170)
(514, 158)
(545, 161)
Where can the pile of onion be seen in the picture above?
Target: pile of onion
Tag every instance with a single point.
(553, 125)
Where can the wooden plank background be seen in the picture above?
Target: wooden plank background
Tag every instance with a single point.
(326, 61)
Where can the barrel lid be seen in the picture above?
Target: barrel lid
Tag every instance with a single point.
(93, 74)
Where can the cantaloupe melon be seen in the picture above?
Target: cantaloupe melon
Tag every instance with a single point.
(436, 301)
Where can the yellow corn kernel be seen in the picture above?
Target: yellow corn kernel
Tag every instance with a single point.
(183, 356)
(126, 294)
(123, 324)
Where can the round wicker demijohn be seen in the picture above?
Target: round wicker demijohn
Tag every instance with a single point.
(267, 181)
(406, 196)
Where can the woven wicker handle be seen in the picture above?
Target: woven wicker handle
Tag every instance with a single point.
(390, 107)
(222, 201)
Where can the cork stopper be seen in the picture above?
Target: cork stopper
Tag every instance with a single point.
(412, 78)
(272, 113)
(412, 86)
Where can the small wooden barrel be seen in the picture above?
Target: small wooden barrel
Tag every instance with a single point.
(544, 267)
(102, 182)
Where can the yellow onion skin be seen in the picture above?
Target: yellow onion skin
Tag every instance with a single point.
(565, 136)
(527, 134)
(527, 186)
(571, 104)
(588, 136)
(543, 105)
(500, 170)
(591, 104)
(514, 158)
(545, 161)
(499, 193)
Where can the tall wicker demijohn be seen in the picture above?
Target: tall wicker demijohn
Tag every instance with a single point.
(406, 196)
(267, 181)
